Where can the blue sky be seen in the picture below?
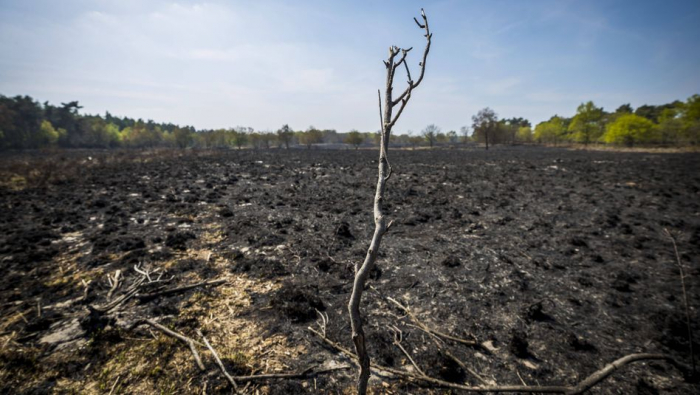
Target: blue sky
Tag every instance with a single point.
(214, 64)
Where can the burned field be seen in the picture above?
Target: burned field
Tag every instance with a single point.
(555, 262)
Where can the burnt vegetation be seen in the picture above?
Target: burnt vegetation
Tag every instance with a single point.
(550, 263)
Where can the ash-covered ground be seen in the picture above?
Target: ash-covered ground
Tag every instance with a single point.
(556, 261)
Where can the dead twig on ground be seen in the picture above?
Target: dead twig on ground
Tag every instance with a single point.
(429, 330)
(176, 290)
(307, 373)
(141, 282)
(190, 343)
(583, 386)
(218, 361)
(398, 338)
(122, 299)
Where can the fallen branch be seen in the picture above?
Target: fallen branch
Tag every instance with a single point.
(301, 375)
(176, 290)
(218, 361)
(580, 388)
(133, 290)
(429, 330)
(182, 338)
(398, 338)
(461, 363)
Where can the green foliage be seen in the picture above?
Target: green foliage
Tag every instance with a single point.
(20, 122)
(485, 125)
(630, 129)
(28, 124)
(670, 127)
(48, 135)
(524, 134)
(690, 118)
(182, 137)
(310, 137)
(430, 134)
(624, 109)
(415, 141)
(587, 125)
(441, 137)
(464, 131)
(653, 113)
(142, 135)
(550, 132)
(354, 138)
(239, 137)
(452, 136)
(285, 135)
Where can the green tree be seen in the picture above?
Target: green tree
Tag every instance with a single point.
(310, 137)
(415, 141)
(510, 127)
(653, 113)
(182, 137)
(485, 125)
(20, 122)
(267, 139)
(624, 109)
(690, 117)
(430, 134)
(524, 134)
(48, 135)
(441, 137)
(452, 136)
(670, 128)
(587, 124)
(354, 138)
(240, 137)
(550, 132)
(285, 135)
(630, 129)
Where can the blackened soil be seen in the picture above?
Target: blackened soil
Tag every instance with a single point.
(556, 259)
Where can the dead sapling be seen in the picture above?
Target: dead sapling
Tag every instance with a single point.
(395, 61)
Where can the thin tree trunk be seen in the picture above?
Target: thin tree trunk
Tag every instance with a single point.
(384, 172)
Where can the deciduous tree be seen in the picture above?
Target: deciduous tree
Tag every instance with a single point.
(587, 125)
(354, 138)
(630, 129)
(485, 125)
(285, 134)
(430, 134)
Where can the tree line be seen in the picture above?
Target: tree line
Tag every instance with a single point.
(28, 124)
(671, 124)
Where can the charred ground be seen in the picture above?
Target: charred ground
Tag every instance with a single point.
(556, 260)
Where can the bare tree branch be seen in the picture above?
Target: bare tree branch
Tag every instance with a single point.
(384, 172)
(428, 36)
